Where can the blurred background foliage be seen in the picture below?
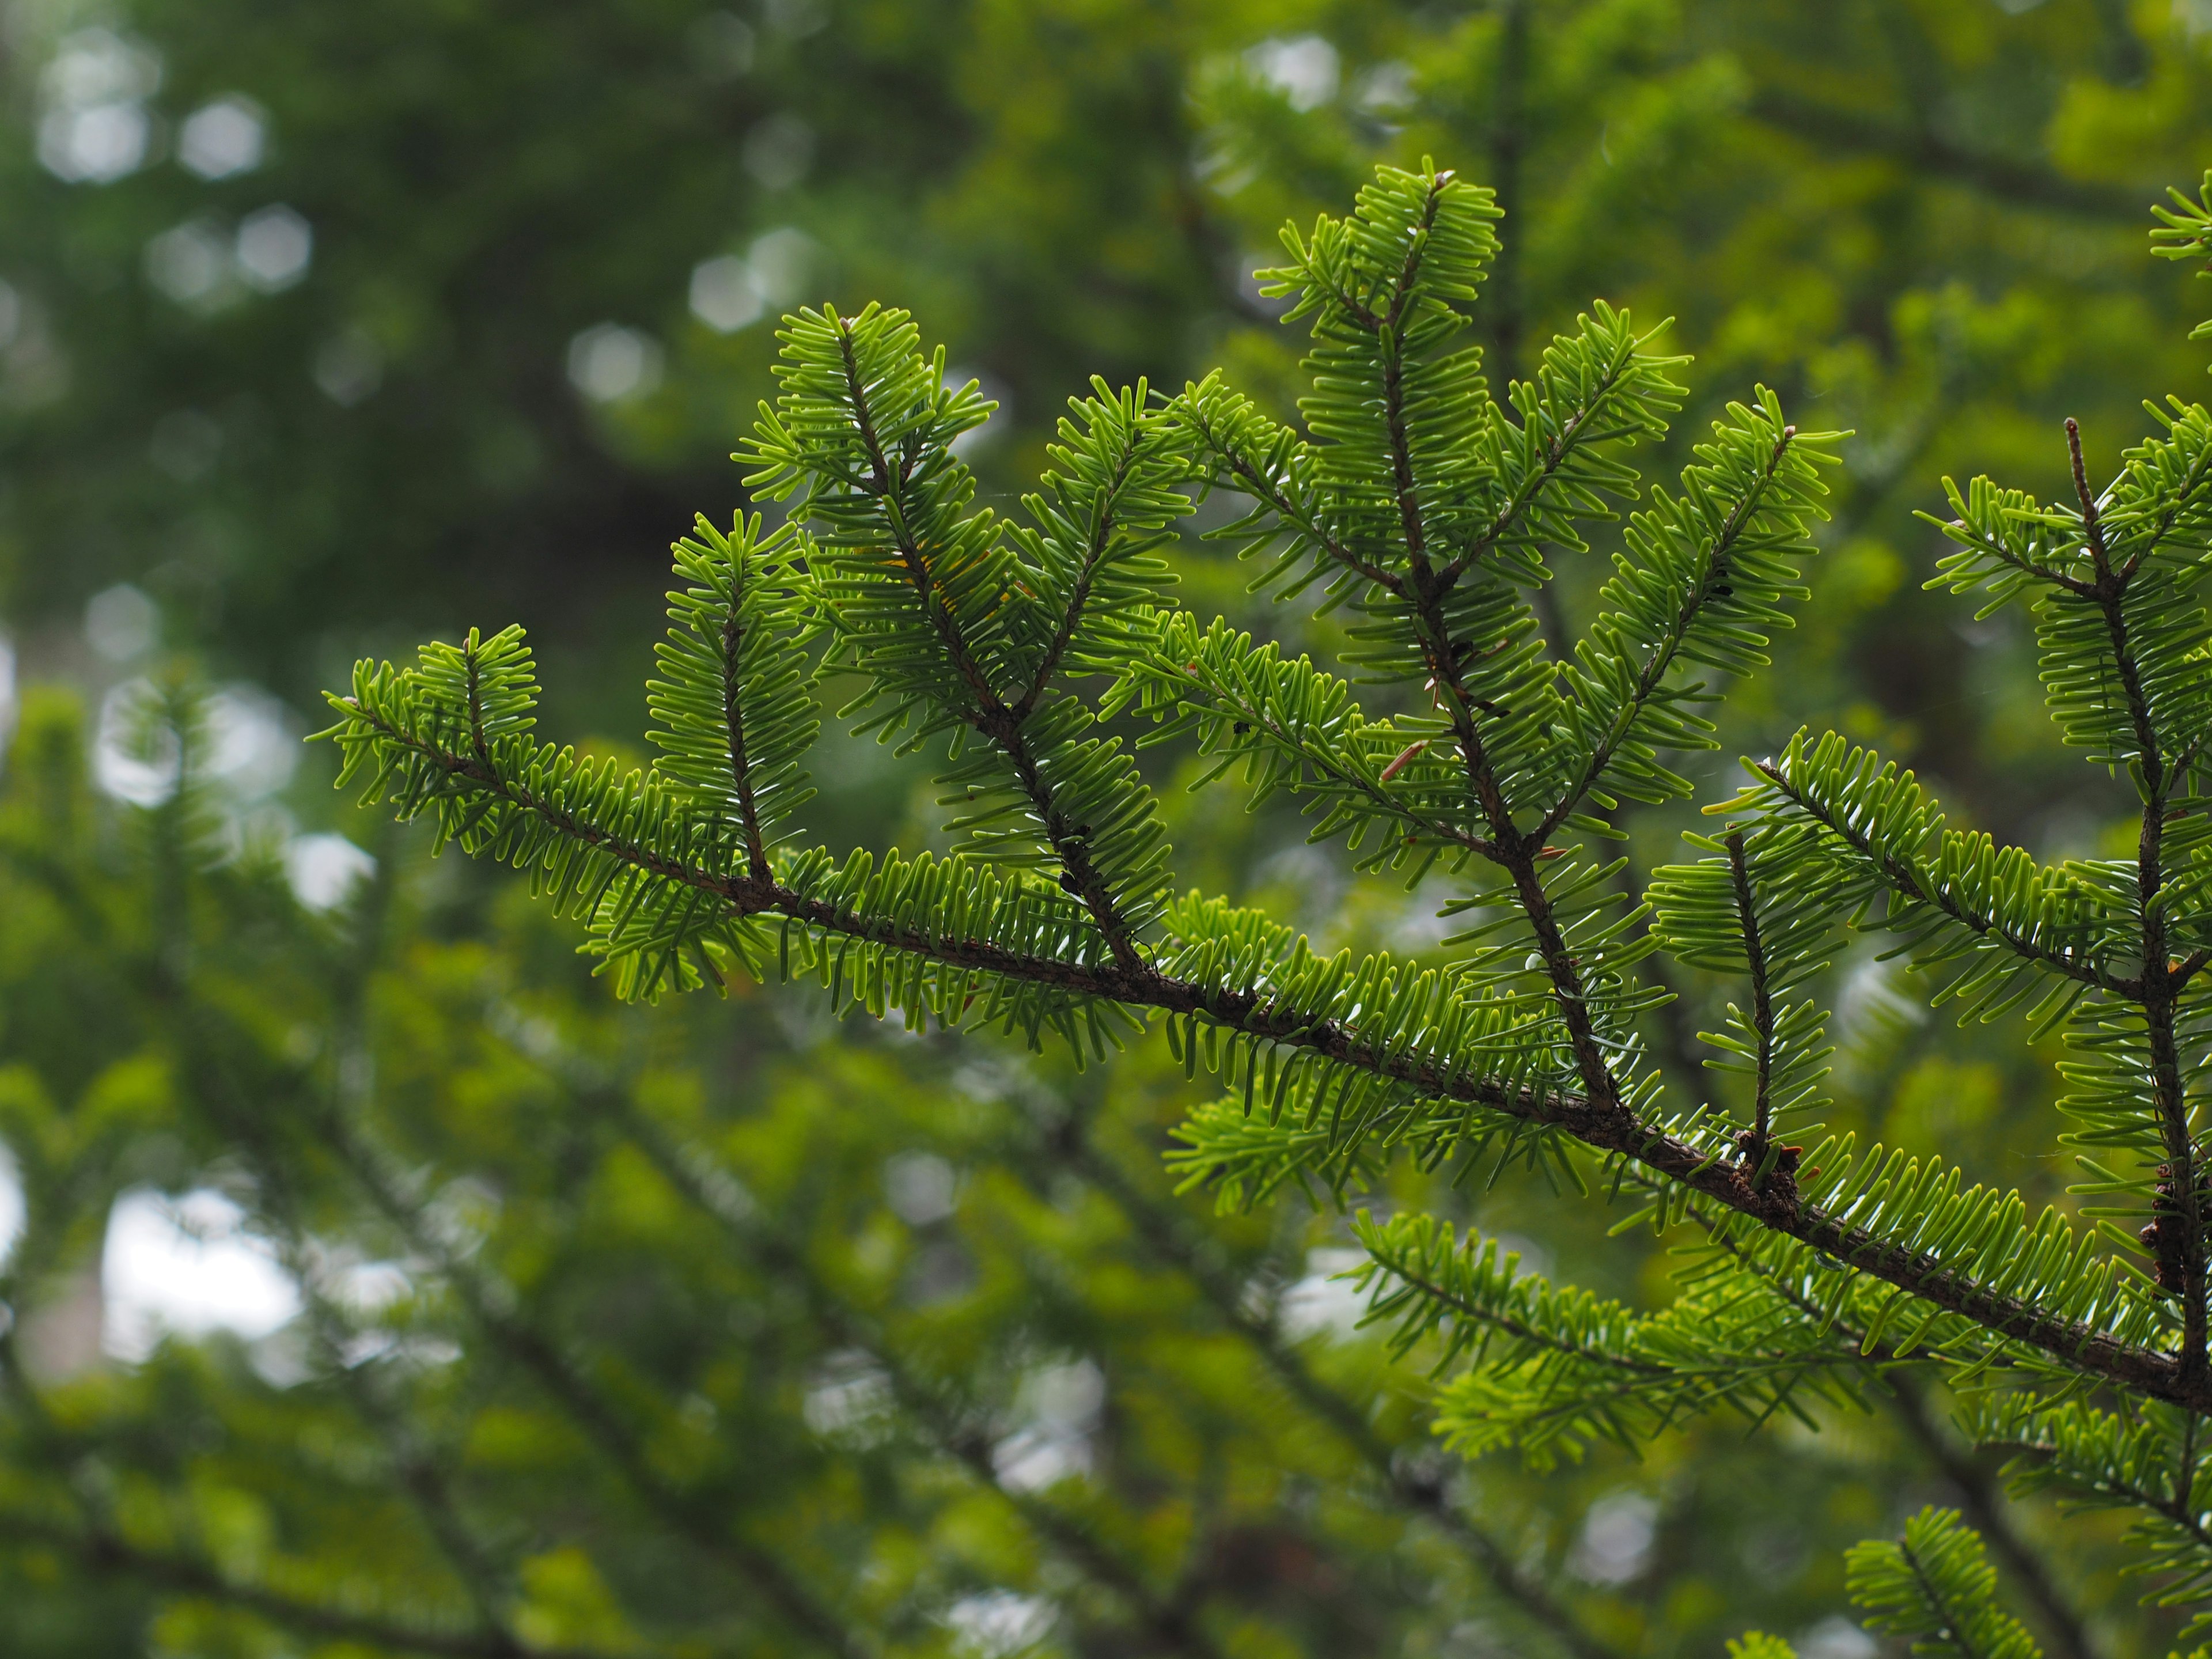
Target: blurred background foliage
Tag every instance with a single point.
(378, 1285)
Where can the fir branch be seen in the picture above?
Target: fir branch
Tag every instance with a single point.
(1553, 1369)
(1223, 425)
(1716, 579)
(1888, 832)
(1230, 688)
(1167, 1236)
(1428, 509)
(1572, 433)
(2157, 991)
(2094, 1459)
(1386, 328)
(1913, 1405)
(1934, 1586)
(691, 1516)
(994, 718)
(953, 1431)
(1602, 1124)
(492, 1307)
(1762, 1004)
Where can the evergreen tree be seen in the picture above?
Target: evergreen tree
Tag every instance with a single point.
(1427, 511)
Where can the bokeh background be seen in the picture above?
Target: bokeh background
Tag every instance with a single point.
(376, 1284)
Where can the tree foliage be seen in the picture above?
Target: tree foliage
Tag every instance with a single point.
(1922, 219)
(1416, 505)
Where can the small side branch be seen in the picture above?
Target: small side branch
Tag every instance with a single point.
(733, 723)
(1654, 667)
(993, 716)
(1762, 1002)
(1907, 883)
(2158, 991)
(1165, 1235)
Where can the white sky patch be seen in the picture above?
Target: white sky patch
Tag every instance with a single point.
(849, 1397)
(1321, 1302)
(1618, 1536)
(725, 294)
(191, 264)
(8, 704)
(274, 247)
(349, 367)
(1304, 68)
(1836, 1637)
(1061, 1403)
(1385, 87)
(368, 1288)
(11, 1203)
(324, 869)
(999, 1625)
(778, 151)
(782, 262)
(121, 624)
(252, 745)
(920, 1188)
(187, 1265)
(607, 362)
(129, 762)
(93, 127)
(224, 137)
(254, 741)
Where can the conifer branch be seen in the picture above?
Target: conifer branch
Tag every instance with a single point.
(1419, 503)
(415, 1470)
(1714, 581)
(2181, 1187)
(733, 722)
(2027, 1571)
(1323, 760)
(1910, 1403)
(1166, 1235)
(489, 1307)
(1951, 1623)
(1601, 1123)
(1762, 1004)
(991, 716)
(2149, 1461)
(417, 1473)
(1095, 547)
(701, 1523)
(1922, 888)
(941, 1418)
(1386, 328)
(1574, 434)
(99, 1549)
(2173, 1505)
(1234, 464)
(1476, 1317)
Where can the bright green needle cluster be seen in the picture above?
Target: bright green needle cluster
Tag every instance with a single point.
(1032, 651)
(1935, 1588)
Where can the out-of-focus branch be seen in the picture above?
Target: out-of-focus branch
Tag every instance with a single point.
(1170, 1239)
(2020, 183)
